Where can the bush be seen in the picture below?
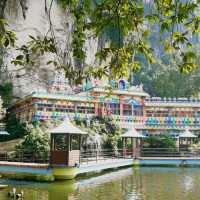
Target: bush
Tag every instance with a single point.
(35, 143)
(159, 142)
(13, 127)
(6, 92)
(105, 128)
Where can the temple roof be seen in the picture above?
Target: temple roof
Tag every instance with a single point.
(133, 133)
(122, 92)
(62, 96)
(66, 127)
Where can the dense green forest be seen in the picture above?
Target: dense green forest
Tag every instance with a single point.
(163, 79)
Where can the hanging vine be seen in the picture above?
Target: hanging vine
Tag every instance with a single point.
(134, 26)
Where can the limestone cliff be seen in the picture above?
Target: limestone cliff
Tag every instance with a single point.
(35, 22)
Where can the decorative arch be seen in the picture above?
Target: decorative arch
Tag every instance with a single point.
(122, 84)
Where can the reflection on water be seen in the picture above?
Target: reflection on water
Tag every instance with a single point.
(126, 184)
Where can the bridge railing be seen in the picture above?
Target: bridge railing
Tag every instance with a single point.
(94, 155)
(28, 157)
(169, 152)
(97, 156)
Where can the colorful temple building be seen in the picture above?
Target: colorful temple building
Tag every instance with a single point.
(129, 106)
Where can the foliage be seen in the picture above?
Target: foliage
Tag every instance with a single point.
(159, 142)
(6, 92)
(37, 47)
(164, 80)
(105, 127)
(7, 40)
(7, 37)
(14, 127)
(177, 21)
(36, 141)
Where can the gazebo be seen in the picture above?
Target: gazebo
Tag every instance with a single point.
(186, 138)
(66, 144)
(136, 139)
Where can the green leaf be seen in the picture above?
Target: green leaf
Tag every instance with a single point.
(6, 42)
(19, 57)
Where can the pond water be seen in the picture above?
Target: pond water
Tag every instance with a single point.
(143, 183)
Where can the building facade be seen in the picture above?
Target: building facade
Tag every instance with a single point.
(129, 106)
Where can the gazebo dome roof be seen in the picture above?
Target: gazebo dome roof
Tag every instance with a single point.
(133, 133)
(187, 134)
(66, 127)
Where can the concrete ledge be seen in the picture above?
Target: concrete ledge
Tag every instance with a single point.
(104, 165)
(22, 164)
(64, 173)
(28, 176)
(163, 161)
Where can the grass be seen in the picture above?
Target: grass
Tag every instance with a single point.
(9, 145)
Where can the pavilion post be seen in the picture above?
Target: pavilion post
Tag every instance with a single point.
(67, 139)
(52, 147)
(123, 144)
(139, 146)
(135, 146)
(79, 142)
(125, 147)
(67, 148)
(52, 143)
(178, 143)
(132, 145)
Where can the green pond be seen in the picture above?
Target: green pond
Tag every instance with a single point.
(145, 183)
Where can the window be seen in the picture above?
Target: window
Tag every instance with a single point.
(138, 111)
(127, 109)
(75, 142)
(60, 142)
(115, 108)
(81, 109)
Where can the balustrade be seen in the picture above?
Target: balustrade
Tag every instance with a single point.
(159, 121)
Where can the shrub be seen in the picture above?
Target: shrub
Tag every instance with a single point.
(105, 127)
(159, 142)
(35, 143)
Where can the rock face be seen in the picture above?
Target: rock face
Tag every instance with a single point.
(36, 23)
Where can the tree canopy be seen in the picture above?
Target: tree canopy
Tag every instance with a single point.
(36, 141)
(177, 22)
(163, 79)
